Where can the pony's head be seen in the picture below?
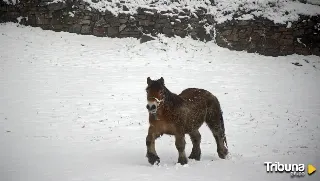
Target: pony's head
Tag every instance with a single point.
(155, 94)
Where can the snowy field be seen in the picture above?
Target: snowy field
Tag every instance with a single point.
(72, 108)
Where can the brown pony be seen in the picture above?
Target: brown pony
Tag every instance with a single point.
(182, 114)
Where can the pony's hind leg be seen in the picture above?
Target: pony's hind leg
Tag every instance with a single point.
(221, 148)
(195, 137)
(217, 128)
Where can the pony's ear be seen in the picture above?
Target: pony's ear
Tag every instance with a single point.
(161, 80)
(148, 81)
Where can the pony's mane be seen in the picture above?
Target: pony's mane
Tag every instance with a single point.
(171, 99)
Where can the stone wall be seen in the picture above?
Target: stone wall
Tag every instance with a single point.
(260, 35)
(78, 17)
(267, 38)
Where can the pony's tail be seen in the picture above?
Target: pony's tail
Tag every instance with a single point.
(223, 129)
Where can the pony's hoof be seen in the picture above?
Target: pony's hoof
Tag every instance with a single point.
(195, 156)
(223, 153)
(183, 160)
(153, 159)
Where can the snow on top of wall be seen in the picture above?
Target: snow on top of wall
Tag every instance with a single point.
(279, 11)
(55, 1)
(11, 1)
(313, 2)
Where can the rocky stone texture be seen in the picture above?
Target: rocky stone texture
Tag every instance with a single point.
(265, 37)
(146, 38)
(77, 17)
(260, 36)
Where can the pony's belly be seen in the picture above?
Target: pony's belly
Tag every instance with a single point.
(193, 122)
(192, 127)
(168, 132)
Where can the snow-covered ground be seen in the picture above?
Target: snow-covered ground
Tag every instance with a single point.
(72, 107)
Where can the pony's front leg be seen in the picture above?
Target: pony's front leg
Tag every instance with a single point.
(180, 145)
(150, 143)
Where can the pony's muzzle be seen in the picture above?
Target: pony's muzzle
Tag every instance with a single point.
(151, 107)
